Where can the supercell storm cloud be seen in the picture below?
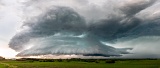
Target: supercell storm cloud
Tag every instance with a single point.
(80, 27)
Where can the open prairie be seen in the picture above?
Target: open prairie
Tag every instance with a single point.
(80, 63)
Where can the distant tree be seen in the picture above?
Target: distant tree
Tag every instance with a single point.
(110, 61)
(96, 61)
(59, 60)
(68, 60)
(2, 58)
(31, 61)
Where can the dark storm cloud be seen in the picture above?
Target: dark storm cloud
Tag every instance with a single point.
(63, 30)
(58, 19)
(134, 8)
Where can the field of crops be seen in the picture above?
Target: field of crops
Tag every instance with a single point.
(80, 64)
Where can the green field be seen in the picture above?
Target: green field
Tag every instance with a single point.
(81, 64)
(2, 66)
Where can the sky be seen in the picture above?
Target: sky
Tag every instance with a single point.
(107, 28)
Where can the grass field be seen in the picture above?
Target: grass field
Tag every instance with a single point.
(80, 64)
(2, 66)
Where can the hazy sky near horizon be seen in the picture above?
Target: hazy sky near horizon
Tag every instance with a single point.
(15, 13)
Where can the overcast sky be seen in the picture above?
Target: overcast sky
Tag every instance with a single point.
(15, 13)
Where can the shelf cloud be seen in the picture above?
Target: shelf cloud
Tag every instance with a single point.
(60, 27)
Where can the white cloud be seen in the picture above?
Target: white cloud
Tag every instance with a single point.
(9, 22)
(9, 18)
